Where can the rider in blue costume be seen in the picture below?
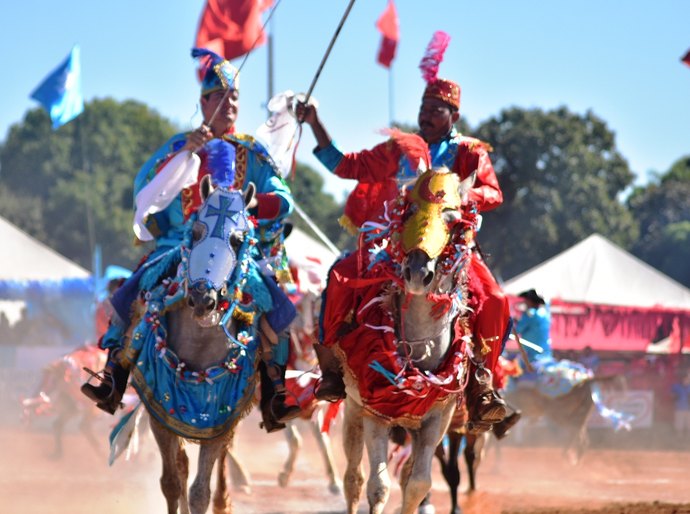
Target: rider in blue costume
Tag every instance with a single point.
(552, 377)
(273, 202)
(535, 326)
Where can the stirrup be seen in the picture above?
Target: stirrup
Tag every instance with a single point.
(109, 403)
(271, 425)
(334, 395)
(291, 411)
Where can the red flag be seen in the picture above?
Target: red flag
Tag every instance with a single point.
(390, 32)
(231, 28)
(686, 58)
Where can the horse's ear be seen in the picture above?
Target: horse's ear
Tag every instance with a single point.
(205, 187)
(287, 229)
(466, 185)
(249, 193)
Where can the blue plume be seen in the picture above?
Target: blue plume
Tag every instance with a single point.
(221, 162)
(198, 53)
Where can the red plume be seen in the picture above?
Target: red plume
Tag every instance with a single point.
(412, 146)
(434, 55)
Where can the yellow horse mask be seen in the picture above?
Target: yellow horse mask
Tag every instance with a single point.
(434, 192)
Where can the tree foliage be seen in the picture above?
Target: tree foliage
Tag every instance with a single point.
(662, 210)
(58, 184)
(561, 176)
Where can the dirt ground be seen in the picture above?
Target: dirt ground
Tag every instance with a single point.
(518, 480)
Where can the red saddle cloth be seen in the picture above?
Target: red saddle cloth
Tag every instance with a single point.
(369, 355)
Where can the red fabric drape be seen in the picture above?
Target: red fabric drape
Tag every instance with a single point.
(615, 328)
(231, 27)
(390, 35)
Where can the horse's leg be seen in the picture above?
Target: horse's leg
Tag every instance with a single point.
(168, 446)
(200, 491)
(474, 451)
(452, 471)
(379, 483)
(294, 444)
(324, 441)
(183, 474)
(58, 430)
(353, 445)
(238, 475)
(424, 443)
(221, 497)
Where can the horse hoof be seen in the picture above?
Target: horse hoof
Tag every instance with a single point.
(334, 488)
(283, 479)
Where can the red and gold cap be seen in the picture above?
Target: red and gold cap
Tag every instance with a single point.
(445, 90)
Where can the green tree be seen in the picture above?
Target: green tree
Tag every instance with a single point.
(59, 181)
(561, 176)
(662, 209)
(307, 189)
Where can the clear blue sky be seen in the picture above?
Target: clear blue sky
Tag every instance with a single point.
(621, 59)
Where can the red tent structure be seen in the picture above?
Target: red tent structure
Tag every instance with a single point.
(603, 297)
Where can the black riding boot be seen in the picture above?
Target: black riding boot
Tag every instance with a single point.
(274, 411)
(485, 406)
(108, 394)
(331, 388)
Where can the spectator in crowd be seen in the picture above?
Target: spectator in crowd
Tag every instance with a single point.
(590, 359)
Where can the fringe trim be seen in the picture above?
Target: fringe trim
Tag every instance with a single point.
(348, 225)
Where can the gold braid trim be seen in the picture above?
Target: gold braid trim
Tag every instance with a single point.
(243, 317)
(241, 158)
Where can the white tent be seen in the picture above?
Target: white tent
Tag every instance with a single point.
(311, 258)
(596, 271)
(24, 258)
(603, 297)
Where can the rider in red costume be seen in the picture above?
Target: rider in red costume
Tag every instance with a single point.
(380, 173)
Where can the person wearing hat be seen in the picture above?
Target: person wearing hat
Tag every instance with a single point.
(247, 162)
(380, 173)
(535, 326)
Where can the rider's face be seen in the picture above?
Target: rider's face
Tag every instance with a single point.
(436, 119)
(227, 114)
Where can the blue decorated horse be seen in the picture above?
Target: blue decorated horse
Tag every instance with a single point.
(197, 354)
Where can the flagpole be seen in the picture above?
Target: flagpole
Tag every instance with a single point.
(328, 51)
(270, 61)
(91, 233)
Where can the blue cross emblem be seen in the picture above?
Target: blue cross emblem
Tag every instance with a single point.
(223, 213)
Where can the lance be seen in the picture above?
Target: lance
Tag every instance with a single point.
(328, 51)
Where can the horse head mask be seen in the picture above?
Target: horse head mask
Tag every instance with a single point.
(430, 224)
(218, 235)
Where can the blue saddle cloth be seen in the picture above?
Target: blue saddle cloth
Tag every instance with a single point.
(554, 378)
(194, 405)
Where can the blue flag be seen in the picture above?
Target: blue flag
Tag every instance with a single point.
(60, 92)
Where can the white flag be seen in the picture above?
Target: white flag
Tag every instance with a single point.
(179, 172)
(280, 133)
